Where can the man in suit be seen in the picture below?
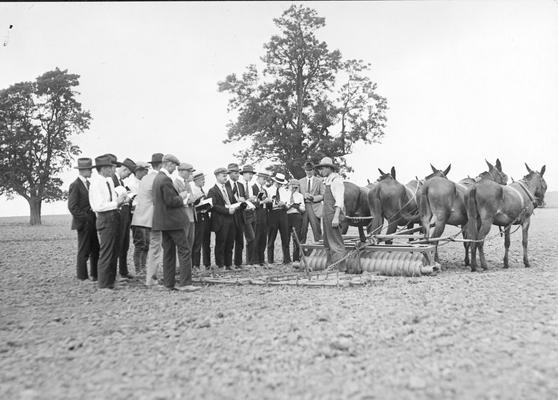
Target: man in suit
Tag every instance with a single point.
(169, 217)
(105, 202)
(202, 231)
(222, 219)
(249, 214)
(83, 221)
(182, 185)
(143, 220)
(312, 188)
(278, 221)
(260, 231)
(238, 196)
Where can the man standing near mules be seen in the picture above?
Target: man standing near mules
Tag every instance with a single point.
(249, 216)
(169, 217)
(278, 218)
(124, 171)
(238, 195)
(295, 212)
(182, 186)
(140, 234)
(105, 202)
(143, 220)
(333, 209)
(312, 188)
(262, 200)
(202, 230)
(83, 221)
(222, 219)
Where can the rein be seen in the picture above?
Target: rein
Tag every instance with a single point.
(529, 194)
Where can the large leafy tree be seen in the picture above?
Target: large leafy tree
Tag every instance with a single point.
(307, 102)
(37, 120)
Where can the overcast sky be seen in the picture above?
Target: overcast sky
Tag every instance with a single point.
(465, 80)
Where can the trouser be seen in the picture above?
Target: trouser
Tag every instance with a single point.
(202, 237)
(88, 248)
(278, 222)
(173, 241)
(295, 221)
(108, 225)
(224, 241)
(124, 239)
(250, 236)
(238, 238)
(260, 241)
(140, 235)
(154, 256)
(333, 241)
(310, 217)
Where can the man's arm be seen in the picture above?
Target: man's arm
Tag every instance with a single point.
(73, 203)
(338, 192)
(169, 195)
(319, 196)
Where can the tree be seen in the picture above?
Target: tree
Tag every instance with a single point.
(37, 120)
(306, 103)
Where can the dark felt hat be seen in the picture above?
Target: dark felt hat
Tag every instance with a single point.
(113, 159)
(103, 161)
(130, 164)
(248, 168)
(156, 158)
(84, 163)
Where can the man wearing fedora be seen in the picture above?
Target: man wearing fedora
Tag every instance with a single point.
(105, 203)
(202, 231)
(312, 188)
(139, 234)
(249, 214)
(262, 200)
(278, 220)
(122, 172)
(83, 221)
(169, 217)
(222, 219)
(333, 212)
(151, 241)
(238, 196)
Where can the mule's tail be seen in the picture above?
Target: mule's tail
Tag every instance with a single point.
(472, 213)
(425, 211)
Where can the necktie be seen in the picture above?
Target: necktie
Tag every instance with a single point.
(291, 201)
(309, 186)
(202, 191)
(87, 184)
(110, 191)
(278, 195)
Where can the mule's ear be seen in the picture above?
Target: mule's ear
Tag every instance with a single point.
(393, 172)
(447, 170)
(528, 169)
(382, 173)
(542, 170)
(368, 180)
(498, 165)
(490, 166)
(433, 169)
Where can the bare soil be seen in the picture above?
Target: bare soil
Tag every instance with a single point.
(489, 335)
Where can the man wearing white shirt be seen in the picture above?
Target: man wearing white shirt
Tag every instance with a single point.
(249, 213)
(105, 202)
(202, 230)
(278, 218)
(295, 210)
(139, 234)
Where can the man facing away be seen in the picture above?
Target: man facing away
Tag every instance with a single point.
(278, 218)
(202, 230)
(169, 217)
(333, 209)
(83, 221)
(105, 202)
(151, 241)
(222, 219)
(312, 188)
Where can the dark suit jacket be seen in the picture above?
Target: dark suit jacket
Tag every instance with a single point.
(241, 191)
(219, 213)
(168, 207)
(78, 204)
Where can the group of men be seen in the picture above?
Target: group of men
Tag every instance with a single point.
(170, 214)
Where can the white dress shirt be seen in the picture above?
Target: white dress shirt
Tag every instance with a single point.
(296, 197)
(102, 197)
(284, 195)
(132, 183)
(335, 182)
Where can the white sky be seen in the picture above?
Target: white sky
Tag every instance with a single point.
(465, 80)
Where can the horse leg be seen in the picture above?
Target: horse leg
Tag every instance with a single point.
(466, 245)
(506, 245)
(525, 240)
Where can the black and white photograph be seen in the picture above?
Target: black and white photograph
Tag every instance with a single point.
(279, 200)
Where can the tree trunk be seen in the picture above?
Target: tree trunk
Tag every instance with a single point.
(35, 210)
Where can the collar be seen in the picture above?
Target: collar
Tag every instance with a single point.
(332, 177)
(529, 194)
(83, 179)
(167, 173)
(181, 179)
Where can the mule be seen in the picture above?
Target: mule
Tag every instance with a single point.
(489, 203)
(356, 205)
(442, 202)
(390, 200)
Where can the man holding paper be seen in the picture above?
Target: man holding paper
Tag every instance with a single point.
(202, 230)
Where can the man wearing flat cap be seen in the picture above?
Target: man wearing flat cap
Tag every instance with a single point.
(259, 190)
(312, 188)
(151, 241)
(105, 203)
(83, 221)
(169, 217)
(238, 196)
(182, 185)
(333, 212)
(202, 231)
(222, 219)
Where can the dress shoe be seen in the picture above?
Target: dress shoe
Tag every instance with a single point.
(188, 288)
(94, 278)
(127, 276)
